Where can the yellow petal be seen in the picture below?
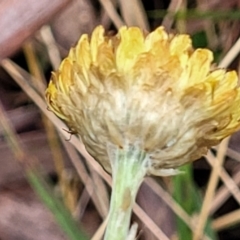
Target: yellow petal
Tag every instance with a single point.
(180, 46)
(196, 69)
(65, 75)
(96, 40)
(106, 59)
(131, 45)
(82, 53)
(228, 80)
(157, 44)
(199, 66)
(158, 36)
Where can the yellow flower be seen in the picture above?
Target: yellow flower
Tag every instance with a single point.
(150, 90)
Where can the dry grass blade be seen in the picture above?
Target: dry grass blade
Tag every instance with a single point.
(231, 55)
(178, 210)
(112, 13)
(168, 20)
(21, 77)
(227, 220)
(181, 24)
(69, 194)
(208, 25)
(34, 68)
(85, 177)
(39, 82)
(99, 233)
(230, 186)
(212, 184)
(100, 190)
(134, 14)
(149, 223)
(12, 139)
(227, 180)
(51, 46)
(82, 203)
(170, 202)
(233, 154)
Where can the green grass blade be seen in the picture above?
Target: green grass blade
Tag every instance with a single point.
(61, 214)
(196, 14)
(188, 196)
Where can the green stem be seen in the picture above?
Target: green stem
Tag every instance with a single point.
(129, 166)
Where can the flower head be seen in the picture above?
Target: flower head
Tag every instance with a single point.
(153, 90)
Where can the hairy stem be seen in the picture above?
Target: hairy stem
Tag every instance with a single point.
(128, 170)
